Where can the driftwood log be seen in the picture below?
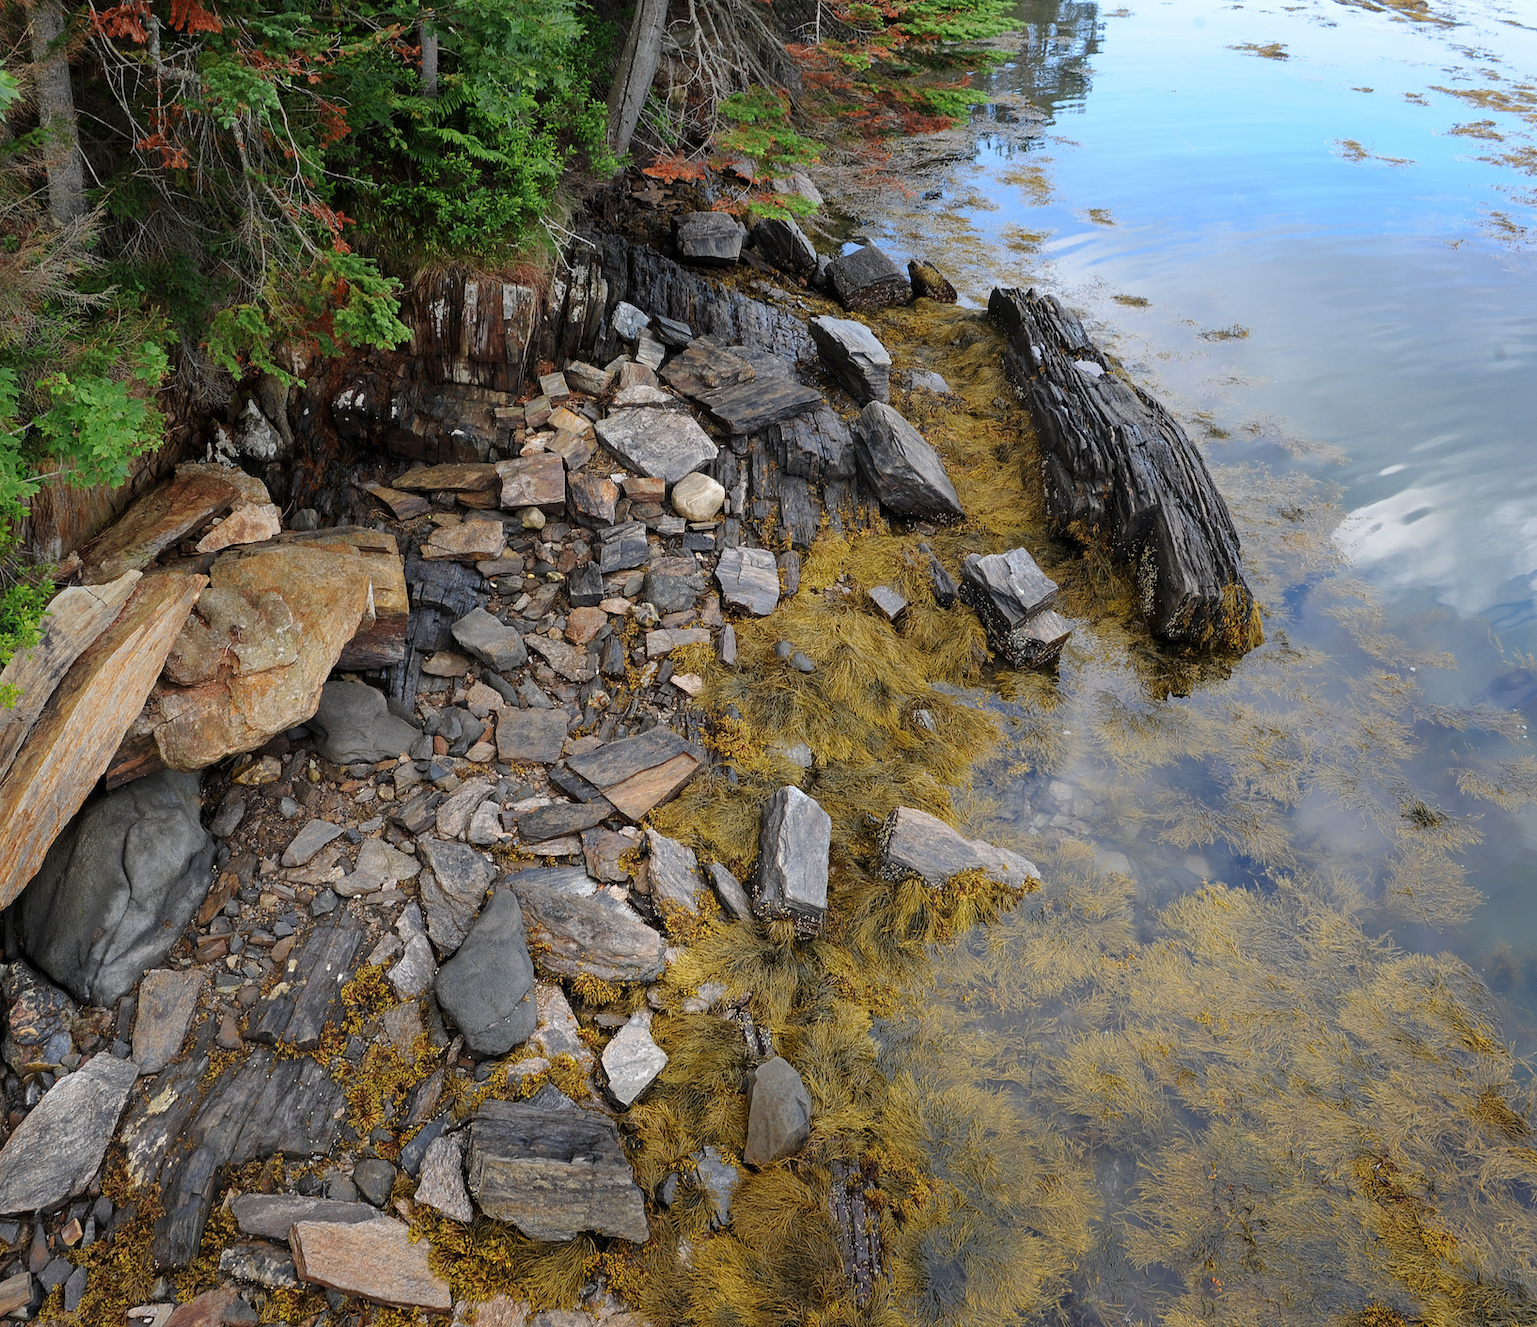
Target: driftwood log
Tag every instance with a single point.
(1119, 467)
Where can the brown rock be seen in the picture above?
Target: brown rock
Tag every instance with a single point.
(638, 773)
(640, 488)
(468, 541)
(249, 523)
(533, 481)
(207, 1310)
(403, 506)
(381, 642)
(930, 283)
(165, 517)
(470, 477)
(595, 496)
(373, 1260)
(15, 1291)
(582, 624)
(73, 739)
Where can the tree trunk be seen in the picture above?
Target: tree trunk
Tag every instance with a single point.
(637, 67)
(56, 111)
(429, 40)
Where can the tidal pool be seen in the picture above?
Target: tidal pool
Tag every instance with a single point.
(1259, 1051)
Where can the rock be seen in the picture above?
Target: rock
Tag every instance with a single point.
(70, 744)
(752, 406)
(272, 1215)
(496, 645)
(373, 1260)
(749, 578)
(163, 518)
(554, 1170)
(403, 506)
(562, 818)
(706, 367)
(732, 896)
(374, 1178)
(1013, 597)
(712, 239)
(904, 471)
(567, 660)
(598, 935)
(587, 378)
(415, 971)
(258, 652)
(558, 1032)
(441, 1185)
(260, 1263)
(474, 477)
(659, 643)
(661, 444)
(595, 497)
(246, 524)
(315, 835)
(641, 772)
(929, 282)
(167, 1001)
(485, 986)
(453, 816)
(453, 894)
(855, 357)
(535, 737)
(778, 1113)
(39, 1017)
(533, 481)
(866, 279)
(231, 812)
(697, 497)
(207, 1310)
(916, 843)
(118, 886)
(628, 321)
(673, 585)
(719, 1179)
(353, 724)
(582, 624)
(923, 379)
(783, 244)
(15, 1292)
(466, 541)
(891, 604)
(632, 1060)
(792, 859)
(797, 182)
(56, 1151)
(674, 873)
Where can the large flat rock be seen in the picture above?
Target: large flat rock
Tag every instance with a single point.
(641, 772)
(711, 239)
(751, 406)
(916, 843)
(897, 462)
(163, 518)
(273, 1215)
(373, 1260)
(658, 443)
(854, 355)
(72, 741)
(596, 935)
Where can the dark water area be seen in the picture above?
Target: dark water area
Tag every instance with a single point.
(1263, 1044)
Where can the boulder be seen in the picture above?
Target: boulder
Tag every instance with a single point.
(632, 1060)
(783, 244)
(55, 1152)
(167, 1002)
(905, 473)
(867, 279)
(598, 935)
(778, 1113)
(118, 887)
(554, 1170)
(490, 640)
(452, 895)
(854, 356)
(466, 541)
(916, 843)
(712, 239)
(485, 987)
(1013, 597)
(697, 497)
(661, 444)
(749, 578)
(353, 724)
(929, 282)
(792, 859)
(71, 743)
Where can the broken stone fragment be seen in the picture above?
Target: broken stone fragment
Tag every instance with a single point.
(662, 444)
(753, 406)
(118, 886)
(273, 1215)
(906, 474)
(534, 737)
(247, 523)
(641, 772)
(888, 601)
(916, 843)
(353, 724)
(485, 988)
(929, 282)
(57, 1149)
(167, 1001)
(749, 578)
(467, 541)
(632, 1060)
(441, 1184)
(164, 517)
(597, 935)
(315, 835)
(533, 481)
(778, 1113)
(867, 279)
(454, 477)
(793, 850)
(854, 355)
(732, 896)
(453, 893)
(554, 1170)
(783, 245)
(711, 239)
(373, 1260)
(491, 641)
(1013, 598)
(674, 873)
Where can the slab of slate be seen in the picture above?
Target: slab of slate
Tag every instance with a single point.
(792, 859)
(561, 818)
(749, 578)
(298, 1016)
(373, 1260)
(640, 772)
(534, 737)
(167, 1001)
(783, 245)
(490, 640)
(867, 279)
(854, 355)
(1013, 598)
(272, 1215)
(260, 1262)
(916, 843)
(750, 406)
(674, 873)
(451, 898)
(905, 473)
(310, 840)
(660, 444)
(533, 481)
(485, 988)
(778, 1113)
(711, 239)
(597, 935)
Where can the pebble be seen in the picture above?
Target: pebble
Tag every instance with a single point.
(228, 1037)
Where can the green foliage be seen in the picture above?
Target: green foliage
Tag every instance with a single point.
(761, 129)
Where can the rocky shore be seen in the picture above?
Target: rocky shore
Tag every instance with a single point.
(432, 904)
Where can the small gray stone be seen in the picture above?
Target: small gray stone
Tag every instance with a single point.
(270, 1215)
(628, 321)
(906, 473)
(749, 578)
(632, 1060)
(732, 896)
(725, 646)
(310, 840)
(916, 843)
(532, 736)
(778, 1113)
(674, 873)
(442, 1178)
(354, 723)
(598, 935)
(57, 1149)
(227, 821)
(674, 584)
(719, 1179)
(414, 972)
(374, 1178)
(486, 987)
(792, 859)
(452, 895)
(928, 381)
(494, 644)
(74, 1288)
(888, 601)
(167, 1001)
(854, 355)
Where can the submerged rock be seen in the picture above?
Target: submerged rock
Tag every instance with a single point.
(118, 887)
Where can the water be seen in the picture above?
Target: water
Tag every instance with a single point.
(1257, 1042)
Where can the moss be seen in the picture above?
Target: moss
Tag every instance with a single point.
(487, 1258)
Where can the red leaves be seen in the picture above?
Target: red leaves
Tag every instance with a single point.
(189, 16)
(126, 20)
(173, 156)
(671, 169)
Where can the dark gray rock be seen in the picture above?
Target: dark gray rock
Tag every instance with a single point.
(1013, 597)
(818, 446)
(904, 471)
(712, 239)
(778, 1113)
(270, 1215)
(39, 1017)
(751, 406)
(79, 1279)
(227, 821)
(561, 818)
(732, 896)
(374, 1178)
(657, 443)
(674, 584)
(916, 843)
(854, 355)
(486, 988)
(792, 859)
(672, 333)
(455, 891)
(783, 244)
(118, 886)
(58, 1148)
(354, 724)
(749, 578)
(531, 736)
(586, 586)
(867, 279)
(167, 1001)
(554, 1170)
(485, 638)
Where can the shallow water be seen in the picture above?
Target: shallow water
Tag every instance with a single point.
(1289, 934)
